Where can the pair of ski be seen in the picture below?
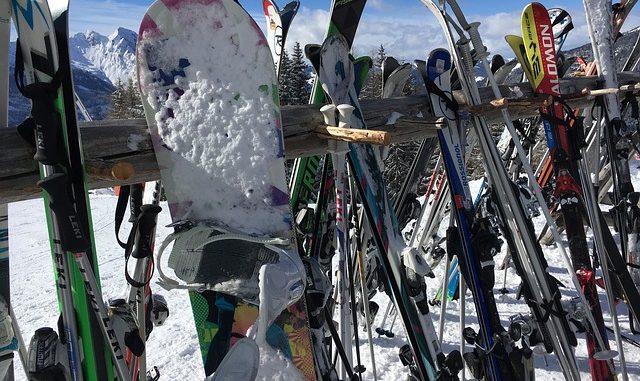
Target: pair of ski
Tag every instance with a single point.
(568, 148)
(564, 139)
(91, 347)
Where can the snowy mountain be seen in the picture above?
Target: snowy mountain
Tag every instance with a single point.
(112, 58)
(98, 62)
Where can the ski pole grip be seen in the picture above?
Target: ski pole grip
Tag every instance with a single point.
(72, 238)
(476, 40)
(47, 122)
(135, 201)
(146, 227)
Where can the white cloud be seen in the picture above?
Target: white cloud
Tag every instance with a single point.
(407, 34)
(414, 33)
(407, 38)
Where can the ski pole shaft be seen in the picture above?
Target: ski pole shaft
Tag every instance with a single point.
(386, 313)
(443, 297)
(360, 247)
(143, 253)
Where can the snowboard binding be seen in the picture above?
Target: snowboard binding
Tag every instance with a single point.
(207, 257)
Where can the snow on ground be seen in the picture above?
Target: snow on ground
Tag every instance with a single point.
(173, 348)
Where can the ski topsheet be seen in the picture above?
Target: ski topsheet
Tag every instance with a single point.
(345, 16)
(278, 23)
(222, 161)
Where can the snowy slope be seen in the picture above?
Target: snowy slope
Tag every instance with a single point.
(173, 348)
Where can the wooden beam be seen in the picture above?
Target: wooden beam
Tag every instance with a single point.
(119, 152)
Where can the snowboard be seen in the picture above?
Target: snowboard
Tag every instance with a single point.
(213, 112)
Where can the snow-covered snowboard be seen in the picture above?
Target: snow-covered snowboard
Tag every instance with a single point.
(210, 95)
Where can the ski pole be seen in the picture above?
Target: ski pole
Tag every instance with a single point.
(363, 283)
(46, 122)
(72, 240)
(142, 250)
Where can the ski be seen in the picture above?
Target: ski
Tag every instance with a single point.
(278, 23)
(617, 136)
(344, 19)
(476, 262)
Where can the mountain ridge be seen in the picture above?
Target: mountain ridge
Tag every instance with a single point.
(99, 62)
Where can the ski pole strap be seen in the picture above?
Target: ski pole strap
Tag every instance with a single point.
(432, 88)
(42, 95)
(139, 244)
(135, 201)
(121, 206)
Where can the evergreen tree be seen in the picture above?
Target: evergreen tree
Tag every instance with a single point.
(301, 89)
(373, 85)
(125, 101)
(285, 78)
(133, 101)
(380, 56)
(117, 107)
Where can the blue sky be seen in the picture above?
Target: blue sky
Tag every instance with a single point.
(406, 28)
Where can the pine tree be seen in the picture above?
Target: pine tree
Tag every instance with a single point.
(133, 101)
(299, 81)
(285, 78)
(380, 56)
(373, 85)
(125, 101)
(117, 107)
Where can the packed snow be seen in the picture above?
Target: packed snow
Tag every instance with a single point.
(205, 122)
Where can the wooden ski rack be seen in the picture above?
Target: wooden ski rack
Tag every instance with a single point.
(119, 152)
